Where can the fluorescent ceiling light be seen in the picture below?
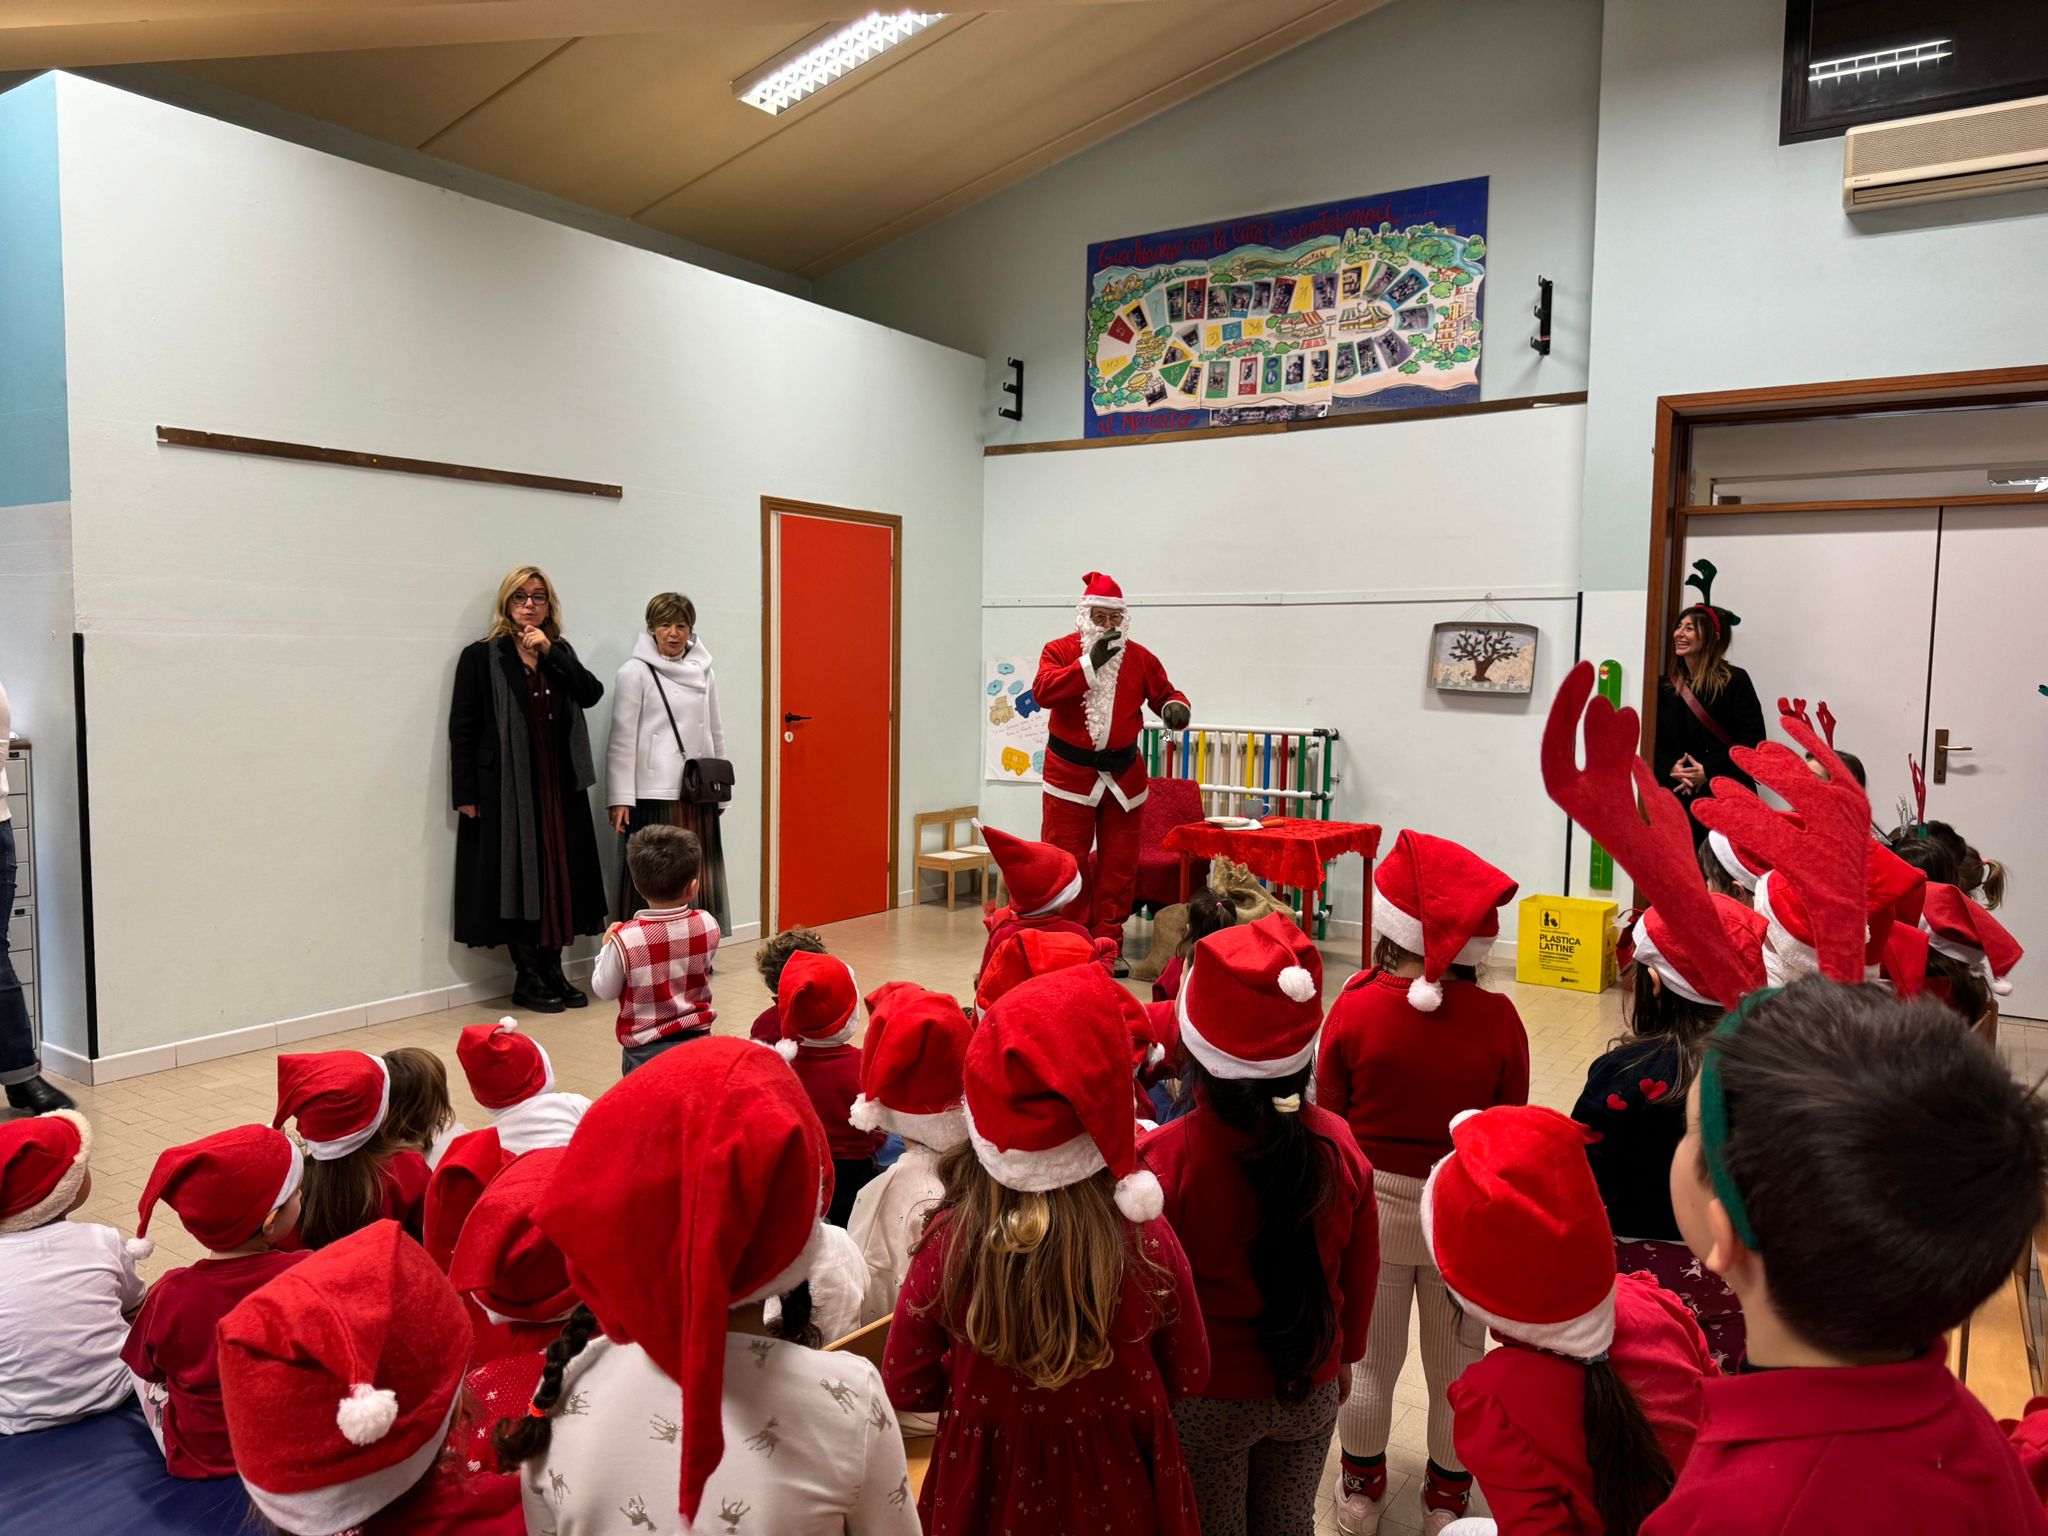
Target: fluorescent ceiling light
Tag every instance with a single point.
(1824, 71)
(823, 57)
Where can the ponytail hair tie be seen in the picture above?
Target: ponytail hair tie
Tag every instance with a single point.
(535, 1411)
(1288, 1104)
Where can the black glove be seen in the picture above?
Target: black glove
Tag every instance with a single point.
(1175, 715)
(1105, 647)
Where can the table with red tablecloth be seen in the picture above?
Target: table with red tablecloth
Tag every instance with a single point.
(1286, 850)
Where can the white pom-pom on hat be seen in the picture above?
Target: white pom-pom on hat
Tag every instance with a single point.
(1155, 1055)
(140, 1248)
(1296, 982)
(367, 1413)
(865, 1115)
(1139, 1196)
(1425, 994)
(2001, 986)
(1461, 1117)
(507, 1026)
(786, 1049)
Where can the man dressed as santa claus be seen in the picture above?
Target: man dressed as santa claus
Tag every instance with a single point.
(1093, 684)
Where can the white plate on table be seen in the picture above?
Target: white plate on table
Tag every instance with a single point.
(1233, 823)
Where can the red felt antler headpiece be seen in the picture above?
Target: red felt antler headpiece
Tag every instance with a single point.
(1616, 797)
(1796, 708)
(1919, 793)
(1820, 847)
(1826, 717)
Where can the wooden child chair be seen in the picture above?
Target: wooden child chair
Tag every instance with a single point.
(955, 858)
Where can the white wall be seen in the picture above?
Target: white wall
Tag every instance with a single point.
(1294, 579)
(270, 645)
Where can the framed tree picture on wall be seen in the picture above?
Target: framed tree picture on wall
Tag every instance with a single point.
(1482, 656)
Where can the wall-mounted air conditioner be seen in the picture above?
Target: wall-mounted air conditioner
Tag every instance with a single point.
(2002, 148)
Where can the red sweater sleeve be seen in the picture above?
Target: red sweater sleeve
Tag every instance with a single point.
(1523, 1491)
(1361, 1269)
(1514, 1072)
(139, 1353)
(1333, 1072)
(406, 1177)
(1181, 1343)
(914, 1362)
(1057, 682)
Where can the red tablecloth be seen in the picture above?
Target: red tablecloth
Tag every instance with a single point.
(1285, 850)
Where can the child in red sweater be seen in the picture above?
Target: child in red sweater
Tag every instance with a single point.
(237, 1192)
(1041, 879)
(1273, 1202)
(1409, 1044)
(769, 960)
(356, 1171)
(820, 1007)
(1208, 912)
(1863, 1173)
(1049, 1314)
(1576, 1425)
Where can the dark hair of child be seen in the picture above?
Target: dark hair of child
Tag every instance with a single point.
(1931, 857)
(1973, 870)
(663, 860)
(420, 1107)
(1891, 1166)
(774, 953)
(1208, 912)
(344, 1194)
(1289, 1169)
(1386, 955)
(527, 1436)
(1854, 764)
(1719, 881)
(1631, 1473)
(1657, 1015)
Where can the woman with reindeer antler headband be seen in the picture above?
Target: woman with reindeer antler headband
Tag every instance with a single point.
(1706, 707)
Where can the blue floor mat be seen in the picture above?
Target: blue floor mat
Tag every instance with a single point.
(104, 1476)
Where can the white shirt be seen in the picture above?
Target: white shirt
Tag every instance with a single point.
(63, 1288)
(811, 1448)
(888, 1218)
(641, 760)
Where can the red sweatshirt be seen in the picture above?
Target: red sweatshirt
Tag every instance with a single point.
(831, 1076)
(768, 1027)
(1004, 926)
(1399, 1074)
(1211, 1208)
(1520, 1423)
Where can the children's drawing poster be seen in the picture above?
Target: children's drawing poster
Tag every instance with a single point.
(1015, 741)
(1369, 304)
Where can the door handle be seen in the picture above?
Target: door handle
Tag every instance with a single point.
(789, 719)
(1941, 752)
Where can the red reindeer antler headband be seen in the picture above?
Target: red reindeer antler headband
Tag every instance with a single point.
(1796, 708)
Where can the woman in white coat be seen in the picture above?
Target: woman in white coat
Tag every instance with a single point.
(650, 744)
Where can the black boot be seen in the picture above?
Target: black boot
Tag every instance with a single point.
(37, 1097)
(532, 990)
(551, 973)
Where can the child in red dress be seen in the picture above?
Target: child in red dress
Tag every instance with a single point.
(1575, 1426)
(422, 1115)
(356, 1173)
(1049, 1315)
(340, 1380)
(1863, 1173)
(1409, 1044)
(820, 1008)
(237, 1192)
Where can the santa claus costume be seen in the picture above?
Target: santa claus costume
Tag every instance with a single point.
(227, 1189)
(1048, 1106)
(1094, 685)
(339, 1101)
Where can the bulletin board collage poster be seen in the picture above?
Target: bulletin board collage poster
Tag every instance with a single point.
(1013, 744)
(1370, 304)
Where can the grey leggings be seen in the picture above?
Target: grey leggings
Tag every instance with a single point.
(1257, 1464)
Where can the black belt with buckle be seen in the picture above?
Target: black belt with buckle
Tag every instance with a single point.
(1109, 762)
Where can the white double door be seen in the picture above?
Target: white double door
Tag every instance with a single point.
(1908, 623)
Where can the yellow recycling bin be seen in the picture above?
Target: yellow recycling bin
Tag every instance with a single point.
(1565, 941)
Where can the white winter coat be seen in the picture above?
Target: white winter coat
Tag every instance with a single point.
(642, 762)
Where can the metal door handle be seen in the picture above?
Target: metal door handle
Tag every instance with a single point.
(1941, 752)
(789, 719)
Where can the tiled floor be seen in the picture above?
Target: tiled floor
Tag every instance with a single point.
(135, 1120)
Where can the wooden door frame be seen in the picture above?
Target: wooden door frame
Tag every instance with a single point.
(1678, 416)
(771, 614)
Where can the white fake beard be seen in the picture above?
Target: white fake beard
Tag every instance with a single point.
(1099, 707)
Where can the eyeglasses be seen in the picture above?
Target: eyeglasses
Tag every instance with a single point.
(529, 599)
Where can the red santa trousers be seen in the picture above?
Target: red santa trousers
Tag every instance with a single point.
(1107, 888)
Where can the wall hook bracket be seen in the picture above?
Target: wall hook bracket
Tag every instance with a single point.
(1014, 386)
(1540, 342)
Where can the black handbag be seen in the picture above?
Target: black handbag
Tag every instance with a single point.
(706, 780)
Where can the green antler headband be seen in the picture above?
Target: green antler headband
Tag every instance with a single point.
(1714, 1119)
(1703, 574)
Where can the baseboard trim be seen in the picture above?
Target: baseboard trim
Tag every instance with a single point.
(68, 1065)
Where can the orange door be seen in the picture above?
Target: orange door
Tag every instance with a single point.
(835, 618)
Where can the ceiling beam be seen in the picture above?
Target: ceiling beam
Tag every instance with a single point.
(60, 34)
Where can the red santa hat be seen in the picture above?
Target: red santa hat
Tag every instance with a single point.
(1515, 1223)
(1049, 1088)
(459, 1180)
(43, 1163)
(1041, 878)
(503, 1260)
(503, 1066)
(1743, 867)
(1252, 1001)
(1035, 952)
(1789, 929)
(1963, 930)
(911, 1064)
(714, 1158)
(1100, 591)
(1905, 960)
(1651, 939)
(1441, 901)
(339, 1099)
(819, 1002)
(1894, 892)
(223, 1186)
(340, 1379)
(1162, 1043)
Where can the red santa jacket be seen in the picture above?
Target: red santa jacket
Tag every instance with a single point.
(1064, 676)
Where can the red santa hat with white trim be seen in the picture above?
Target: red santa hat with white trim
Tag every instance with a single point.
(1744, 926)
(466, 1169)
(1040, 877)
(1036, 952)
(1252, 1001)
(43, 1163)
(1790, 931)
(1441, 901)
(1100, 591)
(503, 1261)
(819, 1002)
(503, 1066)
(1515, 1223)
(223, 1186)
(911, 1064)
(715, 1157)
(340, 1377)
(1048, 1079)
(1743, 867)
(1894, 892)
(338, 1098)
(1963, 930)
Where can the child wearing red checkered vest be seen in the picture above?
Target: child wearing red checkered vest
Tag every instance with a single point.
(1049, 1314)
(1273, 1201)
(237, 1192)
(1577, 1424)
(1042, 881)
(1410, 1043)
(356, 1170)
(820, 1010)
(658, 962)
(1863, 1173)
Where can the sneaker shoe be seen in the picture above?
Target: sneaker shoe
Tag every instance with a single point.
(1434, 1520)
(1358, 1514)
